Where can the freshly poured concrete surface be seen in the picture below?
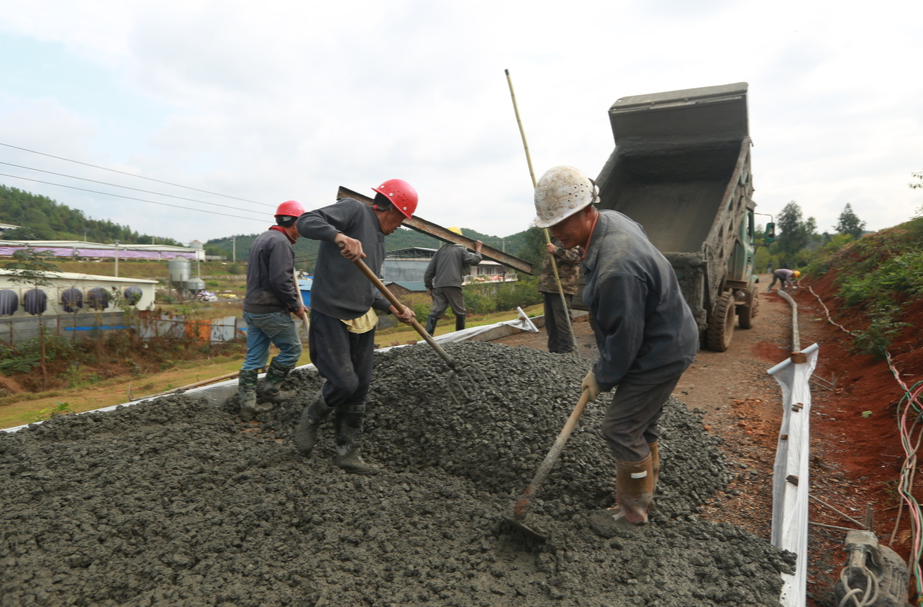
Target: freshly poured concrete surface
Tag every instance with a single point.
(177, 502)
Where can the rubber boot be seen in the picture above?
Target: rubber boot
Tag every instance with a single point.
(459, 322)
(348, 422)
(634, 491)
(431, 324)
(655, 463)
(246, 394)
(306, 431)
(275, 375)
(655, 470)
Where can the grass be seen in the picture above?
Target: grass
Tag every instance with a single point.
(23, 409)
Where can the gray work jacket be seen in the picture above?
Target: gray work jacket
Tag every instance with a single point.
(340, 290)
(447, 266)
(644, 329)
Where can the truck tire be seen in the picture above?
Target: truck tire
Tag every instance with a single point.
(721, 324)
(746, 314)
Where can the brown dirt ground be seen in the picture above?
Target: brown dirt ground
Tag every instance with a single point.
(855, 460)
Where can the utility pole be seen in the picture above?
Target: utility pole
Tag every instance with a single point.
(116, 258)
(234, 249)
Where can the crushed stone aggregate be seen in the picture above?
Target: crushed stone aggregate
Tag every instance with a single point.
(176, 502)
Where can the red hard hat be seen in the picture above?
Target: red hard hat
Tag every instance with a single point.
(401, 194)
(290, 208)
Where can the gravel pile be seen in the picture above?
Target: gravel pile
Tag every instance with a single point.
(174, 502)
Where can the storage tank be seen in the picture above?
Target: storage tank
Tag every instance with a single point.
(179, 269)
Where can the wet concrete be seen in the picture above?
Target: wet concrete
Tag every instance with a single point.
(175, 502)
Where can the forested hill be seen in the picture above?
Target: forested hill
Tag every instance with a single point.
(41, 218)
(238, 247)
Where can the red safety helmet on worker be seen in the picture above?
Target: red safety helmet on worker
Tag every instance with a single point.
(401, 194)
(290, 208)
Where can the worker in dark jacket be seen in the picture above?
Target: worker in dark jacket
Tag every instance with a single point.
(560, 337)
(343, 313)
(644, 329)
(272, 297)
(443, 279)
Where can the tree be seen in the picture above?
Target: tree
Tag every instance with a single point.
(31, 267)
(919, 183)
(793, 233)
(849, 223)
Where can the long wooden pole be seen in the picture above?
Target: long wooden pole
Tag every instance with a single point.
(554, 265)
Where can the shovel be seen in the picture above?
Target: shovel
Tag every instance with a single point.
(519, 511)
(453, 365)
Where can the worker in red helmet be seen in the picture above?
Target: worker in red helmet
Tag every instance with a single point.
(343, 313)
(271, 299)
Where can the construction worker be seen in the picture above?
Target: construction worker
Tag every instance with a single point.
(443, 280)
(785, 278)
(560, 338)
(644, 329)
(271, 298)
(343, 313)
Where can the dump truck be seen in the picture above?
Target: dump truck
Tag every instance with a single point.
(681, 168)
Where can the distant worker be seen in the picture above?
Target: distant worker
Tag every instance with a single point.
(343, 313)
(560, 338)
(785, 278)
(769, 267)
(645, 332)
(443, 280)
(271, 298)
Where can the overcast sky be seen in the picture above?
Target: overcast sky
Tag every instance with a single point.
(270, 101)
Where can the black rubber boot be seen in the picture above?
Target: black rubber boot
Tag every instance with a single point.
(459, 322)
(275, 375)
(246, 394)
(431, 324)
(306, 430)
(348, 421)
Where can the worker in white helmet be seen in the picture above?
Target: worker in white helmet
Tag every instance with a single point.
(644, 329)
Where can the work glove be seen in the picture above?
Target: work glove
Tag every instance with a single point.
(590, 383)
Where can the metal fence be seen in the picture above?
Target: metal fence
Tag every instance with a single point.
(83, 326)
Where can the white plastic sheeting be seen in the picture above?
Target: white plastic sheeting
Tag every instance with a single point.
(491, 332)
(790, 473)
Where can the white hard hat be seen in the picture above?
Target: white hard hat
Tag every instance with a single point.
(561, 192)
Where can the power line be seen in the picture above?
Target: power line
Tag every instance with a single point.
(164, 204)
(115, 185)
(16, 147)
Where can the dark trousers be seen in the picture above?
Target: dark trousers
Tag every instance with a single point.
(443, 297)
(560, 339)
(342, 358)
(630, 423)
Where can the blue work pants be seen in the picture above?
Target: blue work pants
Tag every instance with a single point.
(277, 328)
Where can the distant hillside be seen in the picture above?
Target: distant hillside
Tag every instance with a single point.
(403, 238)
(42, 218)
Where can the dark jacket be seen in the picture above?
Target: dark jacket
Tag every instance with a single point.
(340, 290)
(644, 329)
(270, 275)
(447, 266)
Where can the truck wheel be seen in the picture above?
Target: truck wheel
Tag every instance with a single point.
(746, 314)
(721, 324)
